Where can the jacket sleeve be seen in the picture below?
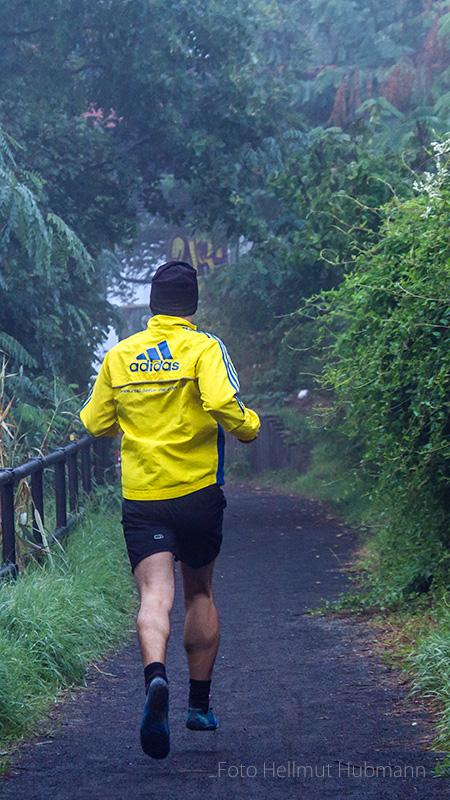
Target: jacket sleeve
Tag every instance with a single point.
(98, 413)
(218, 384)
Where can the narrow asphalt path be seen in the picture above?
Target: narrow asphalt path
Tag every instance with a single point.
(305, 708)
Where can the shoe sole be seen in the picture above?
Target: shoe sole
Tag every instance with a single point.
(192, 727)
(155, 737)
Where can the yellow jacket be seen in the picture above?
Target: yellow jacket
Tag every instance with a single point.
(171, 390)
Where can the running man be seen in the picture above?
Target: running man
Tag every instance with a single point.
(172, 391)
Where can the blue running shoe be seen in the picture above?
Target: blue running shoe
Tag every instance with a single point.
(155, 737)
(198, 721)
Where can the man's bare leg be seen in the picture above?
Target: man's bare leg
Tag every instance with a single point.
(201, 642)
(155, 583)
(201, 627)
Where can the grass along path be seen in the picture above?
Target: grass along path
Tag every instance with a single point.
(60, 616)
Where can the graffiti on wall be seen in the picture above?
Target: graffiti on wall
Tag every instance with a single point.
(203, 254)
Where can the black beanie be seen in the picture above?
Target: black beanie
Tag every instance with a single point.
(174, 290)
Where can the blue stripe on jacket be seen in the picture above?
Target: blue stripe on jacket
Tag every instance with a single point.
(220, 477)
(87, 399)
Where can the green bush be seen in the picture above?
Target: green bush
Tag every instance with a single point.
(390, 370)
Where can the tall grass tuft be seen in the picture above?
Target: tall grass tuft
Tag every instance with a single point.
(429, 662)
(59, 616)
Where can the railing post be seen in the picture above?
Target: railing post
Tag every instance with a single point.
(86, 468)
(8, 529)
(37, 495)
(60, 494)
(72, 469)
(34, 469)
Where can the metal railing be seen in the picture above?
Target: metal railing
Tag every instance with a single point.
(35, 470)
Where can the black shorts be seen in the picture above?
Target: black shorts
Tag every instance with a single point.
(190, 527)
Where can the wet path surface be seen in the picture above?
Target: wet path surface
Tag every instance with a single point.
(305, 708)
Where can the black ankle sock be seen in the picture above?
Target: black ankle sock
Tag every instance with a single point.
(154, 670)
(199, 694)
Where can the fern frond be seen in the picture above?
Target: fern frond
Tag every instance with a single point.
(11, 347)
(292, 134)
(74, 246)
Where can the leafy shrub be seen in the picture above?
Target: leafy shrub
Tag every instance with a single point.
(390, 370)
